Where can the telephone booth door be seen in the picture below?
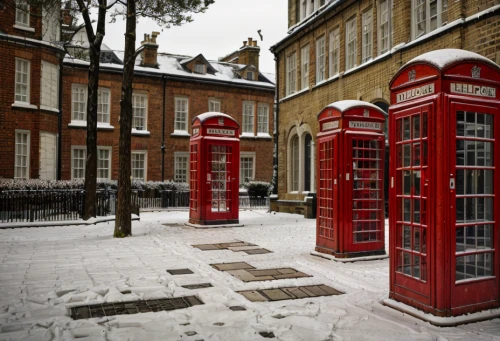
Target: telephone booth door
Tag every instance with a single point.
(214, 170)
(222, 180)
(367, 192)
(475, 218)
(328, 157)
(410, 191)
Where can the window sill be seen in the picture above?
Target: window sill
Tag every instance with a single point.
(295, 94)
(24, 28)
(140, 132)
(83, 124)
(77, 124)
(260, 136)
(101, 126)
(24, 105)
(54, 110)
(180, 133)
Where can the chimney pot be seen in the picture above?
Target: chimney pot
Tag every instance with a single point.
(250, 41)
(244, 43)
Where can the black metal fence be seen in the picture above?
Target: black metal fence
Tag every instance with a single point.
(41, 205)
(56, 205)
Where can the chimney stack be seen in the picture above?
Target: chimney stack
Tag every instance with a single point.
(67, 17)
(150, 52)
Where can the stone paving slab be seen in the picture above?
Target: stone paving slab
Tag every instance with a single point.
(289, 293)
(236, 246)
(245, 276)
(232, 266)
(257, 251)
(248, 273)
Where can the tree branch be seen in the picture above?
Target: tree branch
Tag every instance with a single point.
(137, 52)
(86, 19)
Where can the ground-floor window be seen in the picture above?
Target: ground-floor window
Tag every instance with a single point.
(22, 161)
(139, 161)
(181, 167)
(247, 169)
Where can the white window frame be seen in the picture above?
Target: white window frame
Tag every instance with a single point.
(304, 71)
(22, 83)
(250, 75)
(320, 59)
(214, 105)
(18, 167)
(334, 55)
(49, 87)
(110, 164)
(291, 74)
(248, 116)
(351, 41)
(197, 69)
(247, 155)
(79, 90)
(139, 103)
(51, 27)
(263, 119)
(78, 169)
(181, 114)
(177, 156)
(421, 14)
(296, 161)
(367, 36)
(144, 169)
(104, 114)
(22, 10)
(384, 20)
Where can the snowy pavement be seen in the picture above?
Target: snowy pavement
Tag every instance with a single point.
(44, 271)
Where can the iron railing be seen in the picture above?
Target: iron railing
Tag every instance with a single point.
(40, 205)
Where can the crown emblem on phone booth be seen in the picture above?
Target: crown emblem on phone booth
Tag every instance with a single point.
(412, 75)
(221, 121)
(476, 72)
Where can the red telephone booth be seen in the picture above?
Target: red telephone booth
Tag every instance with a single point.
(214, 170)
(350, 195)
(444, 128)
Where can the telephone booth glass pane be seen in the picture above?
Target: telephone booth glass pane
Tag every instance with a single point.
(367, 190)
(193, 178)
(220, 157)
(474, 195)
(326, 183)
(411, 192)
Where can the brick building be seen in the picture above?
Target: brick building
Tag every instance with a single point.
(168, 92)
(30, 101)
(346, 49)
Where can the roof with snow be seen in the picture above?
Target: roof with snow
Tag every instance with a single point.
(211, 114)
(445, 57)
(351, 104)
(173, 65)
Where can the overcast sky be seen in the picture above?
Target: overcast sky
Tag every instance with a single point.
(217, 32)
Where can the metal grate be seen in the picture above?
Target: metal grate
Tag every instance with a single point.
(180, 272)
(197, 286)
(133, 307)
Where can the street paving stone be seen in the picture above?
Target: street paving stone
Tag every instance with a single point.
(236, 246)
(289, 293)
(248, 273)
(180, 272)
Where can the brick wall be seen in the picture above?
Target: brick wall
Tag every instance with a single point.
(197, 94)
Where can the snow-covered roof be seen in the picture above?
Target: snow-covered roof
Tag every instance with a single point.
(352, 103)
(212, 114)
(171, 64)
(445, 57)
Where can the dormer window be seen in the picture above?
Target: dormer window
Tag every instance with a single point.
(250, 75)
(199, 68)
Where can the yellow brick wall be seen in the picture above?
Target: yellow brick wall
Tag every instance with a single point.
(370, 83)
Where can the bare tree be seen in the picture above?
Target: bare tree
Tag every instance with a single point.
(165, 13)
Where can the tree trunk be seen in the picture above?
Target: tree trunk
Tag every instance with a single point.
(89, 208)
(123, 222)
(91, 161)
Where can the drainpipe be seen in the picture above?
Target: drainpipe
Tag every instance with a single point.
(163, 130)
(59, 121)
(276, 122)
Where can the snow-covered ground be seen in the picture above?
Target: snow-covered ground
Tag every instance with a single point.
(43, 271)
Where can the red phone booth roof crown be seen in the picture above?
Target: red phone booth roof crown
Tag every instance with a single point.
(349, 104)
(444, 59)
(209, 115)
